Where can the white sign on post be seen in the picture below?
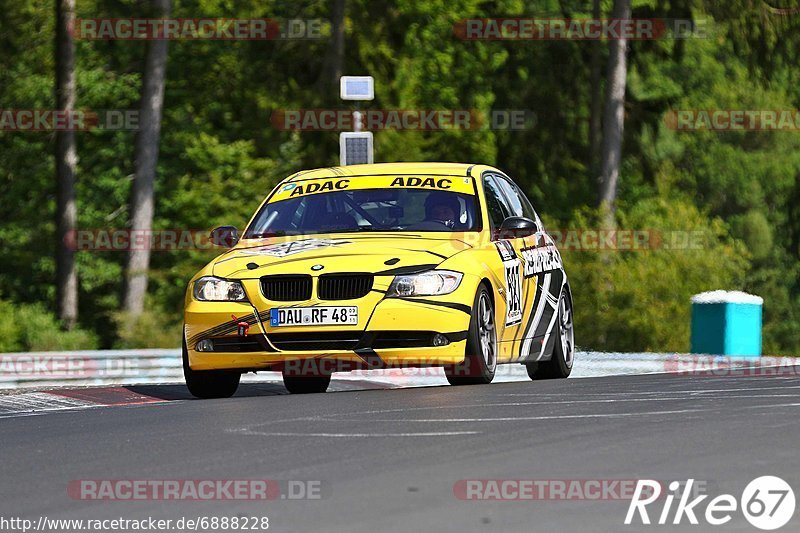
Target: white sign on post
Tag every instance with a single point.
(357, 88)
(355, 147)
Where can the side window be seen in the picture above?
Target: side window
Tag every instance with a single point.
(511, 196)
(496, 204)
(527, 207)
(519, 202)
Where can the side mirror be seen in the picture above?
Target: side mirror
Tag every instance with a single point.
(226, 236)
(516, 227)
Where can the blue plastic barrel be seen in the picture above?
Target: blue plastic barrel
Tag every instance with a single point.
(726, 323)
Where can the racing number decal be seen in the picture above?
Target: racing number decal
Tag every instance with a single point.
(514, 314)
(511, 265)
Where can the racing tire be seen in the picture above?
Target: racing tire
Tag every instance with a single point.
(209, 384)
(306, 384)
(480, 361)
(560, 364)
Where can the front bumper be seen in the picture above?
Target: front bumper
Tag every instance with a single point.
(391, 332)
(333, 360)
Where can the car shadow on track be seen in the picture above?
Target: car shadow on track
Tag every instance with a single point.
(178, 391)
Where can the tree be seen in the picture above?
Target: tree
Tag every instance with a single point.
(595, 105)
(66, 162)
(145, 160)
(333, 66)
(614, 115)
(223, 152)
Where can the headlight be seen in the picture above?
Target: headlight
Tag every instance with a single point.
(211, 289)
(431, 283)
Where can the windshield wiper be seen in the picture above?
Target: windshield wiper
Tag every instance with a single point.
(372, 228)
(266, 234)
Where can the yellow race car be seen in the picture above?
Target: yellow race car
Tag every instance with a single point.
(377, 266)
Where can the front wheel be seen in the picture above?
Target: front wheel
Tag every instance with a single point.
(207, 384)
(560, 365)
(480, 361)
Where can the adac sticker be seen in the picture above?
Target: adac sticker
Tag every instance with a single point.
(506, 250)
(428, 182)
(324, 186)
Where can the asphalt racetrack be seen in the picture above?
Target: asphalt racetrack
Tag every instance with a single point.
(398, 460)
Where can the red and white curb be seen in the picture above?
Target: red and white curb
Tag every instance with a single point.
(34, 403)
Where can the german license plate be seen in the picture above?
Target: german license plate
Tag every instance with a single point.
(313, 316)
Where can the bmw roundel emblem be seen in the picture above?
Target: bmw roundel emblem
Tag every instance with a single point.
(317, 267)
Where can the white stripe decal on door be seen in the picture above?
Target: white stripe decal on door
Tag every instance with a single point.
(526, 345)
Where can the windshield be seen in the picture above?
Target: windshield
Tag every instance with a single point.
(397, 209)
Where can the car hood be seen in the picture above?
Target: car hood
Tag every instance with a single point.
(344, 252)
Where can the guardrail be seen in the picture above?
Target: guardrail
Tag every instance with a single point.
(94, 367)
(129, 367)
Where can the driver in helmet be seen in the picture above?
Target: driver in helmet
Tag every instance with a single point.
(442, 207)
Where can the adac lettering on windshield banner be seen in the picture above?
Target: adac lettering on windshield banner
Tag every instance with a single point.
(311, 187)
(294, 189)
(457, 184)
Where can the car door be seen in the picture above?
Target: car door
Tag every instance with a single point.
(509, 269)
(542, 277)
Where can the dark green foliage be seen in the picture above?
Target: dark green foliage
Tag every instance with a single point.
(220, 153)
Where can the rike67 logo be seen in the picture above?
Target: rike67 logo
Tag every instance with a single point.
(767, 502)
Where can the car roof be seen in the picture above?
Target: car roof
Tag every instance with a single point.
(434, 169)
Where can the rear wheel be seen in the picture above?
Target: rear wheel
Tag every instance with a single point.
(560, 365)
(305, 383)
(207, 384)
(480, 361)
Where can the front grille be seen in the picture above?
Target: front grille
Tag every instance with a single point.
(317, 341)
(286, 288)
(344, 286)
